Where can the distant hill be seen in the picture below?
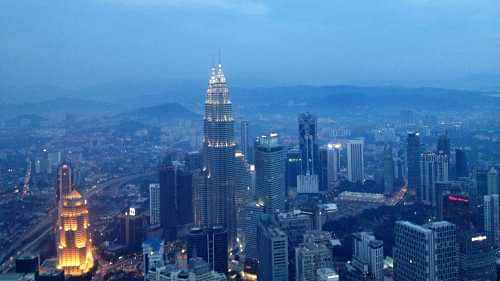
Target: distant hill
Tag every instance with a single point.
(160, 99)
(163, 112)
(58, 106)
(327, 99)
(26, 120)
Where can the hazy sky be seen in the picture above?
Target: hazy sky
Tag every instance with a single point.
(84, 42)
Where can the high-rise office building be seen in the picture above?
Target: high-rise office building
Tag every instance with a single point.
(492, 181)
(368, 255)
(272, 251)
(433, 168)
(74, 247)
(154, 204)
(217, 248)
(491, 217)
(211, 245)
(184, 196)
(193, 160)
(270, 172)
(445, 250)
(200, 198)
(176, 207)
(308, 133)
(64, 180)
(252, 211)
(132, 230)
(27, 264)
(219, 149)
(333, 163)
(388, 170)
(457, 209)
(407, 117)
(443, 145)
(400, 169)
(309, 257)
(323, 168)
(423, 253)
(477, 258)
(153, 254)
(413, 160)
(461, 166)
(168, 199)
(307, 183)
(45, 166)
(355, 161)
(481, 177)
(244, 138)
(293, 167)
(295, 224)
(242, 191)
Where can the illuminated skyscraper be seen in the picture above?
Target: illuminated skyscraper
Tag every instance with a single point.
(64, 181)
(219, 149)
(74, 249)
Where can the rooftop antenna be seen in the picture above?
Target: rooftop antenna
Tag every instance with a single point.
(212, 57)
(220, 56)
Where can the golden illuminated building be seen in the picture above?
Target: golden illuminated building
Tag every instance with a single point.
(74, 250)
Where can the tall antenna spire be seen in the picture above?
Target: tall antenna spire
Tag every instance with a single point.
(220, 56)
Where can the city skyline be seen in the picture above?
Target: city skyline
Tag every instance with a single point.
(343, 141)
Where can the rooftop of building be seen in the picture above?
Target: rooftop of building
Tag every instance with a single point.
(328, 207)
(154, 243)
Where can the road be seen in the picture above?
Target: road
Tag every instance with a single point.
(44, 228)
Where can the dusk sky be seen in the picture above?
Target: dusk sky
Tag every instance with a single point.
(84, 42)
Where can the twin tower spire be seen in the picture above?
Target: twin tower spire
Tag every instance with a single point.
(218, 152)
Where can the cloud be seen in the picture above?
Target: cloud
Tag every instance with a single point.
(249, 7)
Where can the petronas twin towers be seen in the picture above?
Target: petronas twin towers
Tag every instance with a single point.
(218, 152)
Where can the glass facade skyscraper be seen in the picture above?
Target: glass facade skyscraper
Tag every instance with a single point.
(218, 151)
(270, 172)
(413, 160)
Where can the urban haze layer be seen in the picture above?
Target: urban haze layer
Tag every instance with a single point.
(328, 141)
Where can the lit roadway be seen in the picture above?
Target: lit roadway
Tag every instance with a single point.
(44, 227)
